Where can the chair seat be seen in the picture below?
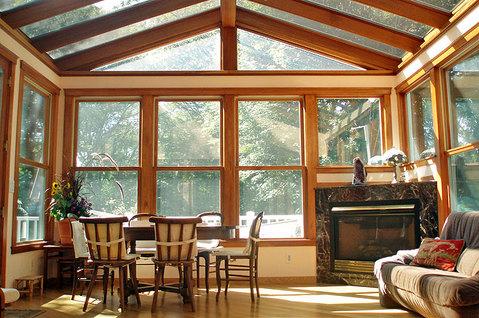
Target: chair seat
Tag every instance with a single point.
(145, 251)
(230, 253)
(207, 244)
(11, 295)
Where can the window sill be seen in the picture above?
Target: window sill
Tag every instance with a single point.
(420, 162)
(28, 247)
(271, 242)
(349, 169)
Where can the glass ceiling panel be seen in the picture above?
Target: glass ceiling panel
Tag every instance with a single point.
(134, 28)
(10, 4)
(256, 52)
(445, 5)
(75, 16)
(376, 16)
(322, 28)
(198, 53)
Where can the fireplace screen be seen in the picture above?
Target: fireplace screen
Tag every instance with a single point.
(371, 231)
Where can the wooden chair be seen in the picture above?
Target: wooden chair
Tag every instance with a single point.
(250, 253)
(83, 265)
(106, 243)
(205, 248)
(175, 246)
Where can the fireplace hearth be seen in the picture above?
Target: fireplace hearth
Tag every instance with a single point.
(357, 225)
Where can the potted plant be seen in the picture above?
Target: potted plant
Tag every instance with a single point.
(395, 158)
(68, 204)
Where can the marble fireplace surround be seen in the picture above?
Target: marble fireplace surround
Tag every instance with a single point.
(425, 192)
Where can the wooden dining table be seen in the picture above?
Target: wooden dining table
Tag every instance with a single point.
(147, 233)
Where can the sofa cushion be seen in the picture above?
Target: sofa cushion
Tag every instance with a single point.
(468, 263)
(441, 254)
(440, 287)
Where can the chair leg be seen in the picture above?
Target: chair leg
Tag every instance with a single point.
(189, 281)
(134, 281)
(112, 277)
(256, 276)
(122, 282)
(106, 273)
(75, 280)
(207, 272)
(218, 277)
(158, 277)
(227, 276)
(251, 279)
(90, 286)
(198, 271)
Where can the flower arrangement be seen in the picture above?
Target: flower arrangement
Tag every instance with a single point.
(67, 199)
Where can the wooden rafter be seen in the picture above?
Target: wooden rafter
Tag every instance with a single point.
(228, 13)
(40, 10)
(109, 22)
(141, 41)
(411, 10)
(346, 22)
(313, 41)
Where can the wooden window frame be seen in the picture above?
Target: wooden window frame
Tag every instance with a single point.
(301, 167)
(138, 168)
(219, 168)
(50, 90)
(385, 119)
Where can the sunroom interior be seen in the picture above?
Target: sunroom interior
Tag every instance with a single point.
(282, 96)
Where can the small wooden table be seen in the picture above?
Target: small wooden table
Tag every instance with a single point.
(26, 285)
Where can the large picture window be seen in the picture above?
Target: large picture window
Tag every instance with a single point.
(108, 143)
(349, 128)
(271, 166)
(463, 160)
(188, 157)
(421, 138)
(33, 166)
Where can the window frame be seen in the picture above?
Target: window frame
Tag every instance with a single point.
(137, 169)
(46, 88)
(168, 168)
(302, 162)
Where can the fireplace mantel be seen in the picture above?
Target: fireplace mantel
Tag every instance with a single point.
(425, 192)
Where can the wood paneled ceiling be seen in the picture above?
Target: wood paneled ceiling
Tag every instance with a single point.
(80, 35)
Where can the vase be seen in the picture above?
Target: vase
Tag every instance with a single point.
(65, 231)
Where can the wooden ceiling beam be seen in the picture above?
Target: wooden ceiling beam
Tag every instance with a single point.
(411, 10)
(140, 42)
(346, 22)
(109, 22)
(40, 10)
(228, 13)
(313, 41)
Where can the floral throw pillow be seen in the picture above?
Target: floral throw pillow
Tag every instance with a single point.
(441, 254)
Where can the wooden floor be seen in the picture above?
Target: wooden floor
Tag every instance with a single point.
(276, 301)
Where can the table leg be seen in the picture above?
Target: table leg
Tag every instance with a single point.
(45, 265)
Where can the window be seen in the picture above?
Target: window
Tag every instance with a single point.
(256, 52)
(198, 53)
(421, 138)
(33, 166)
(271, 166)
(463, 98)
(108, 139)
(188, 159)
(349, 128)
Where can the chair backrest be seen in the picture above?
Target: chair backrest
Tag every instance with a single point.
(211, 214)
(105, 237)
(252, 244)
(80, 246)
(175, 238)
(143, 217)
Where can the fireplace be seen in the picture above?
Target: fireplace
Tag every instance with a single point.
(355, 226)
(363, 232)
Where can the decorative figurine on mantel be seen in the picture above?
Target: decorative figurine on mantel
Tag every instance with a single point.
(359, 173)
(395, 158)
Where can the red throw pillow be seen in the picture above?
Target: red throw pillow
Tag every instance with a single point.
(441, 254)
